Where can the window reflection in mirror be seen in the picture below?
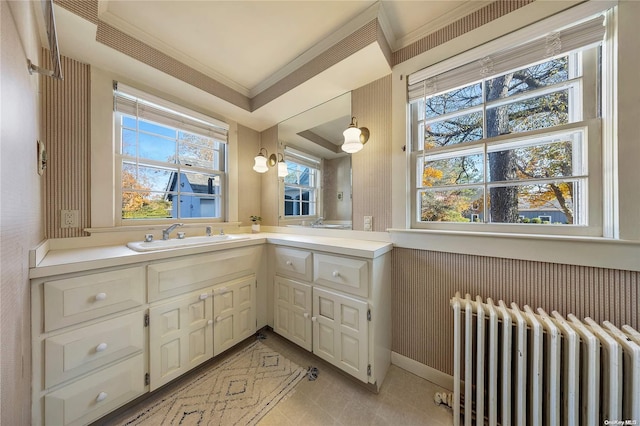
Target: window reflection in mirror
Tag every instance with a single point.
(317, 189)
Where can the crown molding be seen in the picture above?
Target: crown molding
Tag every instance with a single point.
(108, 18)
(355, 24)
(438, 23)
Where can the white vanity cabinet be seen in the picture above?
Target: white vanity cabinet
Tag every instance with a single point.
(180, 336)
(234, 313)
(200, 306)
(292, 311)
(88, 343)
(109, 326)
(337, 306)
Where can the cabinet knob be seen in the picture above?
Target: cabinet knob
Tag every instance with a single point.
(219, 318)
(314, 319)
(222, 290)
(288, 263)
(203, 296)
(101, 296)
(306, 315)
(101, 396)
(101, 347)
(209, 322)
(335, 274)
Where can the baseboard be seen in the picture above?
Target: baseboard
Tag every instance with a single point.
(421, 370)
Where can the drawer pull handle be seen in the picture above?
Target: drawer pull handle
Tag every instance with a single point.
(306, 315)
(314, 319)
(219, 318)
(101, 347)
(335, 274)
(101, 396)
(101, 296)
(203, 296)
(289, 263)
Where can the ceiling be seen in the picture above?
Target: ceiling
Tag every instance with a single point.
(248, 46)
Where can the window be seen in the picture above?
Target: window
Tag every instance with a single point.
(171, 161)
(513, 136)
(301, 185)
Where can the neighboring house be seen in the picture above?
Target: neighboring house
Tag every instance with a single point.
(194, 198)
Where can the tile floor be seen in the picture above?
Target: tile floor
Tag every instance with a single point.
(334, 399)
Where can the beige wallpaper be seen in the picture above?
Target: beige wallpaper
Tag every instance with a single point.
(66, 128)
(248, 181)
(424, 281)
(20, 206)
(371, 105)
(269, 197)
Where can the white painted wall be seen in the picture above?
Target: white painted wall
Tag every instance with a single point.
(21, 224)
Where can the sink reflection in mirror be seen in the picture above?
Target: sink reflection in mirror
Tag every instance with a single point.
(318, 185)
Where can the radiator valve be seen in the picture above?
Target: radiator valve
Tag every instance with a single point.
(443, 398)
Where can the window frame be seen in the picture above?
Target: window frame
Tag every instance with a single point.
(592, 126)
(176, 167)
(292, 155)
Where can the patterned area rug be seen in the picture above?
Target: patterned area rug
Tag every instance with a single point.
(239, 391)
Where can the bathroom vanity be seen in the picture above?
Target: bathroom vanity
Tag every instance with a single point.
(110, 324)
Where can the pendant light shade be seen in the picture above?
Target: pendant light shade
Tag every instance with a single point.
(283, 170)
(263, 161)
(354, 137)
(260, 162)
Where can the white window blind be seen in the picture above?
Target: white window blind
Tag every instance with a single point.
(131, 101)
(423, 83)
(301, 157)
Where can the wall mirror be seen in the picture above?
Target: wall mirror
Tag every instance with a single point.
(317, 189)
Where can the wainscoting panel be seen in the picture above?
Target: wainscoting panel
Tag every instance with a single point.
(424, 281)
(66, 132)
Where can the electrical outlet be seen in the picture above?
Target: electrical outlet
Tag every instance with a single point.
(368, 223)
(69, 218)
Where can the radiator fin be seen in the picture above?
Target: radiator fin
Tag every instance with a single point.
(527, 367)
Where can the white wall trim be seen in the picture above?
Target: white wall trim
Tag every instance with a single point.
(422, 370)
(583, 251)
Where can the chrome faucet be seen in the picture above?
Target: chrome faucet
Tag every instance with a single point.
(318, 221)
(166, 232)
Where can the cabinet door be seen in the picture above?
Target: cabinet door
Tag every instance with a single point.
(340, 331)
(180, 336)
(293, 307)
(234, 312)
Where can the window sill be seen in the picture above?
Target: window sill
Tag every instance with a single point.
(572, 250)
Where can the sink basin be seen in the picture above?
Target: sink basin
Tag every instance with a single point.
(185, 242)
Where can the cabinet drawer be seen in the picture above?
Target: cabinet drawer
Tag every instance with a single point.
(195, 272)
(294, 263)
(94, 396)
(71, 354)
(75, 300)
(342, 273)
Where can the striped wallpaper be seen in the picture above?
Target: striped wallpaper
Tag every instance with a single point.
(424, 281)
(66, 131)
(468, 23)
(371, 167)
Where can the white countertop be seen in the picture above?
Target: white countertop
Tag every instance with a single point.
(69, 260)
